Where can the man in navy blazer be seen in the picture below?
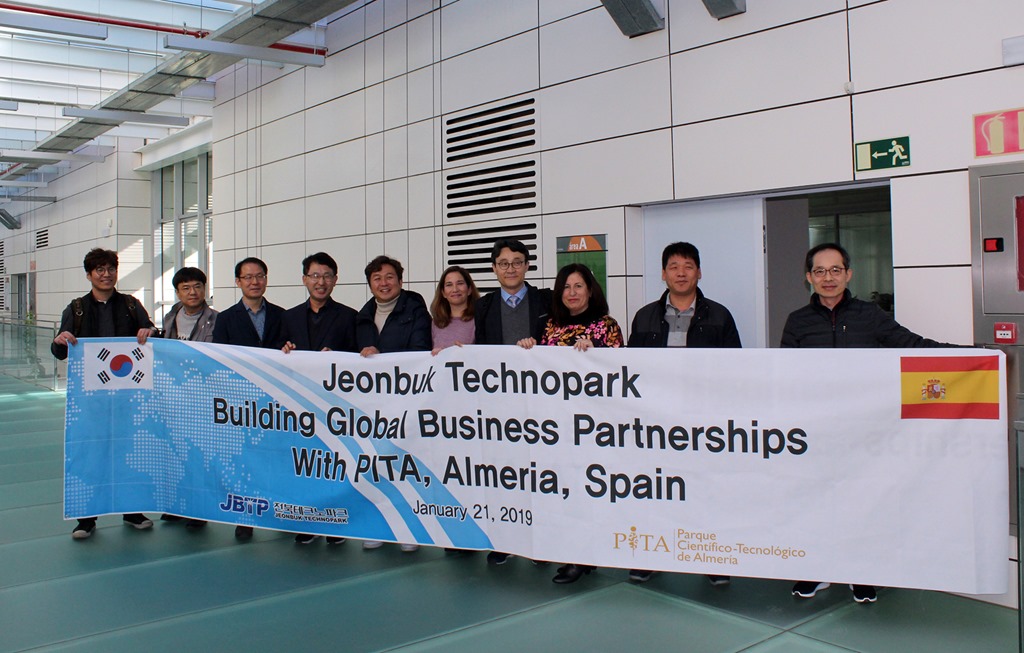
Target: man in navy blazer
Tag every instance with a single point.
(253, 321)
(319, 323)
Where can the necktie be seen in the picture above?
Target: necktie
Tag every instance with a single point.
(512, 301)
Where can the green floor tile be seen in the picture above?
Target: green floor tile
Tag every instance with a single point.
(32, 493)
(790, 643)
(913, 621)
(619, 618)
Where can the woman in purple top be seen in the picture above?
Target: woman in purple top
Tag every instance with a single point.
(451, 311)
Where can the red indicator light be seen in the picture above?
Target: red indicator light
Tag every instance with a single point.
(993, 245)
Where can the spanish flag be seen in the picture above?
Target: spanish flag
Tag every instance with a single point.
(950, 387)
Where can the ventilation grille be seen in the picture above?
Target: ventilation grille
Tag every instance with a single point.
(471, 248)
(42, 238)
(496, 130)
(3, 293)
(3, 260)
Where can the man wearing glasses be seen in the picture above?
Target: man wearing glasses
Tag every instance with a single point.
(517, 310)
(319, 324)
(834, 318)
(252, 322)
(191, 318)
(103, 312)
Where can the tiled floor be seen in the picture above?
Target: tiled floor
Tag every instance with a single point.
(175, 590)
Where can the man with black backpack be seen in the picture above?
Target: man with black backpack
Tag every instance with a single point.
(103, 312)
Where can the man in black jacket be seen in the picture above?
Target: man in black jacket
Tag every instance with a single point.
(319, 324)
(103, 312)
(517, 310)
(834, 318)
(682, 317)
(252, 322)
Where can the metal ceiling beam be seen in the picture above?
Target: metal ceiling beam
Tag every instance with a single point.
(116, 117)
(32, 156)
(51, 25)
(188, 44)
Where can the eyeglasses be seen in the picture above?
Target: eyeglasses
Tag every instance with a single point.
(316, 276)
(187, 288)
(111, 270)
(248, 278)
(835, 271)
(515, 265)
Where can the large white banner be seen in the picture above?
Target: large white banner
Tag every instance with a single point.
(882, 467)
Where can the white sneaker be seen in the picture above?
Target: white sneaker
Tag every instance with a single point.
(409, 548)
(372, 544)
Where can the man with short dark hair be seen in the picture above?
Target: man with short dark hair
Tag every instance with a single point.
(517, 310)
(834, 318)
(392, 320)
(682, 317)
(252, 322)
(191, 319)
(514, 312)
(319, 324)
(102, 313)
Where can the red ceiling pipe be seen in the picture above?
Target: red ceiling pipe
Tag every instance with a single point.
(198, 33)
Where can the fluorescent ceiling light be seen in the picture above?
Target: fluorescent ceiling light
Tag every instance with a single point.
(23, 184)
(52, 25)
(9, 220)
(8, 105)
(49, 199)
(34, 156)
(117, 117)
(190, 44)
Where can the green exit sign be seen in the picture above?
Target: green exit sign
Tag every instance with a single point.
(886, 153)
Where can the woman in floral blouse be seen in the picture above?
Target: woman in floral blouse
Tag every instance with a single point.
(579, 316)
(579, 319)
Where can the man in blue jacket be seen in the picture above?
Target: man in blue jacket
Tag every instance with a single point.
(393, 320)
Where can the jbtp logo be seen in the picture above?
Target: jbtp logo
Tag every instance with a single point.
(248, 505)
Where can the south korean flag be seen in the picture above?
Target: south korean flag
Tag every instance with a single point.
(118, 366)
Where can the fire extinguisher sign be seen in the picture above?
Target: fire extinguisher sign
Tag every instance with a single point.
(999, 132)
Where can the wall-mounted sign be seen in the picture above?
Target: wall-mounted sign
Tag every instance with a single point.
(999, 132)
(591, 251)
(886, 153)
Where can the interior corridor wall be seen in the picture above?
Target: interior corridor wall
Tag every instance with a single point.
(352, 158)
(105, 204)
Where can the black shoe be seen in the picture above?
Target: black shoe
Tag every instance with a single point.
(571, 573)
(718, 581)
(640, 575)
(84, 530)
(335, 540)
(195, 524)
(305, 538)
(498, 558)
(166, 517)
(864, 593)
(805, 589)
(137, 520)
(243, 532)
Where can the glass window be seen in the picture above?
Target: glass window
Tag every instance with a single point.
(190, 186)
